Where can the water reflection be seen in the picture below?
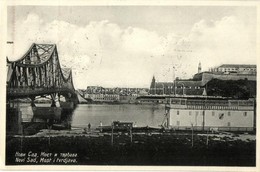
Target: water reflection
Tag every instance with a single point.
(143, 115)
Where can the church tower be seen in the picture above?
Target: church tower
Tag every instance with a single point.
(152, 87)
(199, 68)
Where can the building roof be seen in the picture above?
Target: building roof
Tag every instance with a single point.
(200, 91)
(237, 66)
(186, 83)
(163, 84)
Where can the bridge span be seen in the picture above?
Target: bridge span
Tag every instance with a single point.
(39, 73)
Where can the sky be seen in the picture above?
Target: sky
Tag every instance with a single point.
(124, 46)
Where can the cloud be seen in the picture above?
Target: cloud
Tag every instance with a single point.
(99, 53)
(103, 53)
(224, 41)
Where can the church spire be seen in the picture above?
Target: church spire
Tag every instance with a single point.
(199, 68)
(153, 78)
(152, 87)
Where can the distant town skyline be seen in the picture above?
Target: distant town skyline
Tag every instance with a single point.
(124, 46)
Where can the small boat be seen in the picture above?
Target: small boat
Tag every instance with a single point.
(126, 127)
(59, 127)
(147, 129)
(117, 126)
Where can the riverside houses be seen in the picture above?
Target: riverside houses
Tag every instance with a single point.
(210, 114)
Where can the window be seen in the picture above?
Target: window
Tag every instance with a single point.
(229, 113)
(221, 115)
(197, 113)
(178, 112)
(178, 123)
(245, 113)
(228, 124)
(213, 113)
(190, 113)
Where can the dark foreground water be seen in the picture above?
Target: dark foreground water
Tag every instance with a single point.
(143, 115)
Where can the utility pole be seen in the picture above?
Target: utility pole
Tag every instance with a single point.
(174, 80)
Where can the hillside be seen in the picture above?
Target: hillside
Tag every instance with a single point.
(243, 89)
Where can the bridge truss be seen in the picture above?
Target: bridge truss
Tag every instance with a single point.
(39, 73)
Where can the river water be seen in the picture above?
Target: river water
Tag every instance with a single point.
(142, 115)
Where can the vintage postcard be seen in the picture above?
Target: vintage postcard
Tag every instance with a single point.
(145, 85)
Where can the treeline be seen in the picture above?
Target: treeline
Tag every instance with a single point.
(242, 89)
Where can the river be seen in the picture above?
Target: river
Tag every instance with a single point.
(142, 115)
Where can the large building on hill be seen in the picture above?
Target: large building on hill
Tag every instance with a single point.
(242, 69)
(228, 72)
(197, 85)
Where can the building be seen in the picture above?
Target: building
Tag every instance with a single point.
(128, 98)
(196, 85)
(241, 69)
(116, 90)
(100, 94)
(189, 87)
(227, 72)
(178, 87)
(210, 114)
(161, 88)
(102, 97)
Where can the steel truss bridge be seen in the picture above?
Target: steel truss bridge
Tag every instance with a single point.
(39, 73)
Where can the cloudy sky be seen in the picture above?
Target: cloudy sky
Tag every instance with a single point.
(126, 45)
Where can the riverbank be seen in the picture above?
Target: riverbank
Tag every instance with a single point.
(156, 148)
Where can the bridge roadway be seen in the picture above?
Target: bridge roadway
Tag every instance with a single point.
(26, 92)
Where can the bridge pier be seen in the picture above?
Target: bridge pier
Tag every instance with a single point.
(53, 103)
(32, 101)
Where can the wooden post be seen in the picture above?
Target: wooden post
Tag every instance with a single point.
(203, 122)
(49, 139)
(131, 134)
(22, 139)
(191, 135)
(112, 134)
(207, 142)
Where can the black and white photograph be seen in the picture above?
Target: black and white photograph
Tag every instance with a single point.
(131, 85)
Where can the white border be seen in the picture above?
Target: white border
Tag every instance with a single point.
(3, 33)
